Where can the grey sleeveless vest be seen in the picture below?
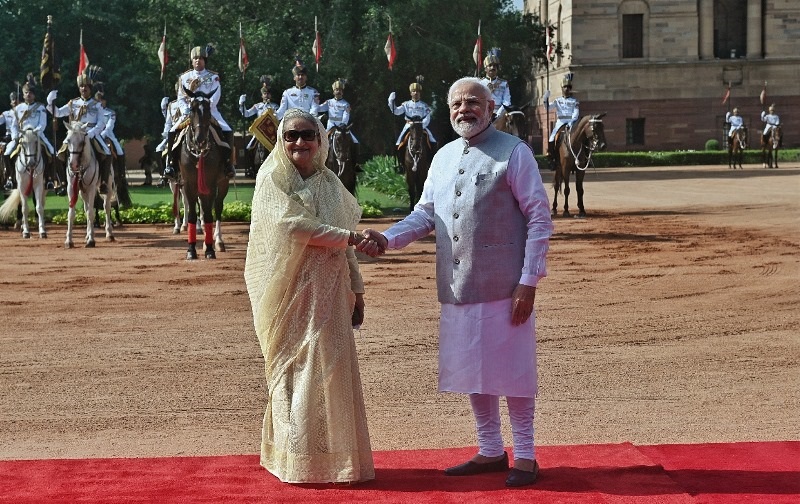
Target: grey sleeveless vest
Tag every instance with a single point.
(480, 230)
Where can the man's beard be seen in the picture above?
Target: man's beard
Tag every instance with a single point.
(469, 130)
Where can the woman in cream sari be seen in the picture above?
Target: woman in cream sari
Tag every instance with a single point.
(303, 281)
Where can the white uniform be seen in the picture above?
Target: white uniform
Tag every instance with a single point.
(411, 109)
(771, 121)
(736, 122)
(108, 131)
(88, 112)
(306, 98)
(257, 110)
(338, 114)
(177, 112)
(207, 82)
(9, 120)
(34, 117)
(500, 94)
(567, 112)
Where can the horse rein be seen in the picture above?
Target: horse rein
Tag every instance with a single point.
(202, 149)
(590, 148)
(31, 161)
(416, 151)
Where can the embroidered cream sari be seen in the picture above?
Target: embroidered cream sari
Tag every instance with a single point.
(301, 277)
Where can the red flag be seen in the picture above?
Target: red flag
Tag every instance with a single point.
(763, 97)
(727, 95)
(548, 48)
(244, 62)
(83, 60)
(390, 50)
(163, 55)
(317, 47)
(478, 51)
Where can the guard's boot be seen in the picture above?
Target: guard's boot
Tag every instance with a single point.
(399, 154)
(230, 169)
(551, 156)
(105, 172)
(8, 171)
(170, 172)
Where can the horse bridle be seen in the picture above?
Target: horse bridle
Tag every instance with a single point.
(31, 161)
(196, 149)
(337, 131)
(415, 151)
(591, 144)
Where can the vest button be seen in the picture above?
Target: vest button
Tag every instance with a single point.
(457, 261)
(455, 216)
(455, 238)
(458, 193)
(461, 171)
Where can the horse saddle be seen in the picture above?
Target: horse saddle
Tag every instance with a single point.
(404, 140)
(214, 134)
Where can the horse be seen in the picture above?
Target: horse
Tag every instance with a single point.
(514, 122)
(121, 191)
(202, 170)
(340, 156)
(575, 147)
(736, 147)
(770, 146)
(83, 177)
(176, 187)
(30, 179)
(416, 160)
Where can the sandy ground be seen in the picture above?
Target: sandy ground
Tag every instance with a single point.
(670, 315)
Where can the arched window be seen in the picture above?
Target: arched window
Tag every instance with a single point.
(633, 22)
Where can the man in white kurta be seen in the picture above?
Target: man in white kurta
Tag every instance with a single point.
(485, 199)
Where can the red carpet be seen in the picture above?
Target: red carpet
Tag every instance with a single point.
(619, 473)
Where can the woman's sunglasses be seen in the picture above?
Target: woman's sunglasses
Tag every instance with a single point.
(308, 135)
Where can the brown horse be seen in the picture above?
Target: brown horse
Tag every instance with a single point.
(416, 160)
(514, 122)
(770, 145)
(341, 160)
(575, 147)
(736, 146)
(202, 170)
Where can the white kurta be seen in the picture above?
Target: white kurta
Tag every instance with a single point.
(480, 351)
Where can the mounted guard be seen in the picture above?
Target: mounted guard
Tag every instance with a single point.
(499, 87)
(8, 119)
(204, 81)
(255, 146)
(567, 114)
(414, 110)
(85, 109)
(300, 96)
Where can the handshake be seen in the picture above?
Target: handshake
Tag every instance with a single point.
(369, 242)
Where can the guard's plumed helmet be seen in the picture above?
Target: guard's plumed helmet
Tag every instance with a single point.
(299, 68)
(416, 86)
(30, 84)
(772, 108)
(13, 97)
(339, 84)
(83, 80)
(266, 81)
(566, 82)
(735, 110)
(492, 58)
(198, 52)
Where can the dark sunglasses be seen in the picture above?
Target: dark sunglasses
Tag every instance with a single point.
(308, 135)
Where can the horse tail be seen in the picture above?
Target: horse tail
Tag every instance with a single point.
(123, 194)
(9, 208)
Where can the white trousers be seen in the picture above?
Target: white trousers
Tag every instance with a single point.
(486, 409)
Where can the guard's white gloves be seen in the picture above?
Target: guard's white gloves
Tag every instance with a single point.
(546, 95)
(164, 103)
(391, 99)
(51, 97)
(242, 99)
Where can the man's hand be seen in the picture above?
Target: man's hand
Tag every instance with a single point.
(391, 99)
(374, 243)
(51, 97)
(546, 96)
(522, 304)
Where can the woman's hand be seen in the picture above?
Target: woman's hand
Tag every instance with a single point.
(358, 311)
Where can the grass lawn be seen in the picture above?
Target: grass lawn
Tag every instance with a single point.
(152, 196)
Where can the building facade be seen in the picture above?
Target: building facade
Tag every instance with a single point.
(661, 69)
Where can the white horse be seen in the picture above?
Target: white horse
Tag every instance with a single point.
(83, 176)
(30, 178)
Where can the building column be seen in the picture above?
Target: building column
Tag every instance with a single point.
(754, 27)
(706, 26)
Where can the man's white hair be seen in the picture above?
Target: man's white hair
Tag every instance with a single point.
(487, 93)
